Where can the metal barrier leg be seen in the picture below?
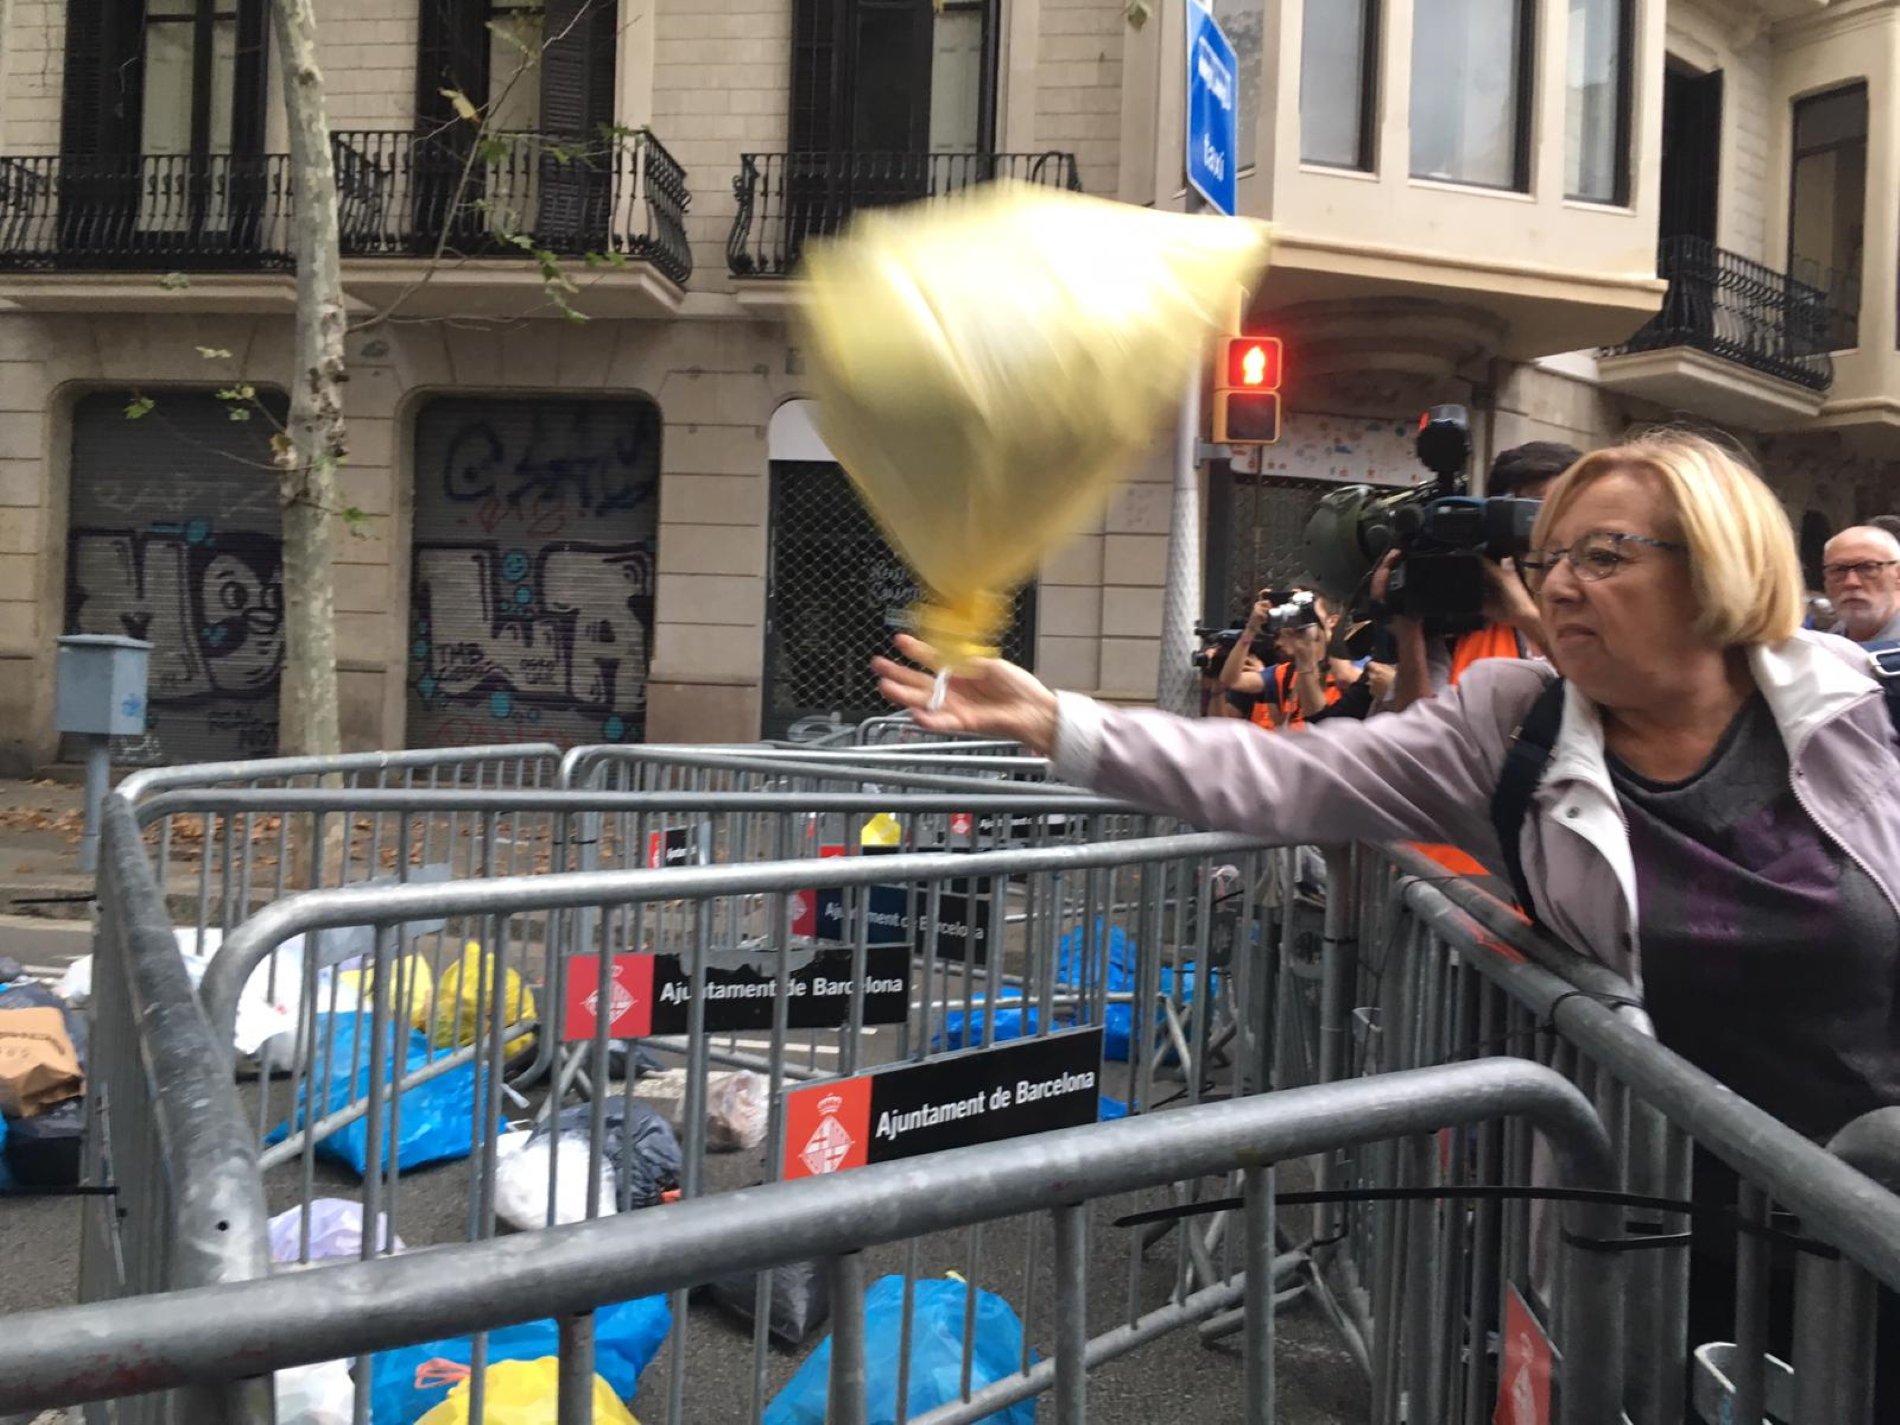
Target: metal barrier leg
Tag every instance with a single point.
(1834, 1343)
(576, 1401)
(845, 1403)
(1257, 1210)
(1072, 1327)
(1751, 1306)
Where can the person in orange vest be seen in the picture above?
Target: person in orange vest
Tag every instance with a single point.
(1513, 628)
(1302, 684)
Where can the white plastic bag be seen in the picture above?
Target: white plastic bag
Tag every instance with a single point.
(323, 1394)
(336, 1232)
(521, 1184)
(737, 1107)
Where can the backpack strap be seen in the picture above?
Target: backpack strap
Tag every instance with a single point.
(1887, 669)
(1524, 764)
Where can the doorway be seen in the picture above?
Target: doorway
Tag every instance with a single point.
(1691, 154)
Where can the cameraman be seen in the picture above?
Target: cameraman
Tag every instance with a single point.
(1304, 684)
(1513, 629)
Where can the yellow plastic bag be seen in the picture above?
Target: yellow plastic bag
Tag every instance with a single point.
(988, 366)
(525, 1393)
(463, 1007)
(410, 974)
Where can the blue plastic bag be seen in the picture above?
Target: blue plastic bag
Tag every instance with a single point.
(6, 1178)
(626, 1339)
(1010, 1021)
(1114, 971)
(936, 1356)
(438, 1118)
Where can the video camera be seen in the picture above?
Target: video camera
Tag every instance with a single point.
(1444, 535)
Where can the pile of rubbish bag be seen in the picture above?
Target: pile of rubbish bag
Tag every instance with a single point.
(43, 1057)
(428, 1384)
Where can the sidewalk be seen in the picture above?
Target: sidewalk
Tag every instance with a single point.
(40, 824)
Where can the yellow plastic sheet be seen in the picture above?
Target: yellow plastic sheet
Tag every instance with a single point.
(462, 1007)
(988, 366)
(525, 1393)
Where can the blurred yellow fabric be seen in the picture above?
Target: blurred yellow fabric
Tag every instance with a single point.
(988, 366)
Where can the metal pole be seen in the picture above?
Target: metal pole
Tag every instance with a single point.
(1175, 685)
(98, 777)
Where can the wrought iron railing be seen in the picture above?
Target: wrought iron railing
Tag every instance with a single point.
(1724, 304)
(785, 198)
(620, 198)
(406, 194)
(145, 211)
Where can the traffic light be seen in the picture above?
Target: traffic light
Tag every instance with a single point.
(1247, 391)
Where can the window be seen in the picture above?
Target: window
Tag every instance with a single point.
(516, 33)
(179, 43)
(1243, 21)
(1597, 101)
(1338, 68)
(1828, 203)
(1471, 91)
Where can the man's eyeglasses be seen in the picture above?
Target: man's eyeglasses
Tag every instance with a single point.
(1592, 557)
(1864, 570)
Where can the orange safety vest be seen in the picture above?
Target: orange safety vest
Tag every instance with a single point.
(1494, 640)
(1286, 696)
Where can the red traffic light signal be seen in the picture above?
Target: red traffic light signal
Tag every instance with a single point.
(1247, 391)
(1251, 363)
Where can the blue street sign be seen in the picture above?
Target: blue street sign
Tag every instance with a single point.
(1213, 77)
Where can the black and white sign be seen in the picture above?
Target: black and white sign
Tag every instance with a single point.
(1029, 1086)
(742, 989)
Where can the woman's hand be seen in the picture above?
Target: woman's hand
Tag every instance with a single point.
(986, 696)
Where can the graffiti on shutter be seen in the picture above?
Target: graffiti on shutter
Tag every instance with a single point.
(531, 606)
(174, 537)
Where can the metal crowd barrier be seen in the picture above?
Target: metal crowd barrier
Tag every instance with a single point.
(166, 1143)
(1422, 968)
(210, 1339)
(1260, 968)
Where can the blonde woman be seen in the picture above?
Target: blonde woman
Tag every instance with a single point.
(1719, 818)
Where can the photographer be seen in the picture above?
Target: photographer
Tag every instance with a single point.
(1513, 628)
(1304, 683)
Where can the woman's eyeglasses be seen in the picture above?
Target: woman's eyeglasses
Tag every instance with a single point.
(1592, 557)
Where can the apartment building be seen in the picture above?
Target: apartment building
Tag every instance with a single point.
(587, 498)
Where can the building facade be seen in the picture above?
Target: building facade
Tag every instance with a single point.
(586, 498)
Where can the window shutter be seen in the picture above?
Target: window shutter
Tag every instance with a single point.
(100, 105)
(818, 117)
(451, 53)
(577, 104)
(577, 67)
(250, 85)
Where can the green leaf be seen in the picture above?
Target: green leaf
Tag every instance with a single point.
(238, 413)
(494, 150)
(464, 107)
(214, 353)
(139, 407)
(1138, 13)
(174, 281)
(352, 517)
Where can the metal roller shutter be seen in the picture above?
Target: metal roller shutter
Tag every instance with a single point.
(531, 607)
(175, 536)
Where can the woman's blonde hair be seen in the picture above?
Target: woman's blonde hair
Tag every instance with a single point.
(1742, 559)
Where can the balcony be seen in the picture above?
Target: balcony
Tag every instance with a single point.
(786, 198)
(1734, 341)
(476, 212)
